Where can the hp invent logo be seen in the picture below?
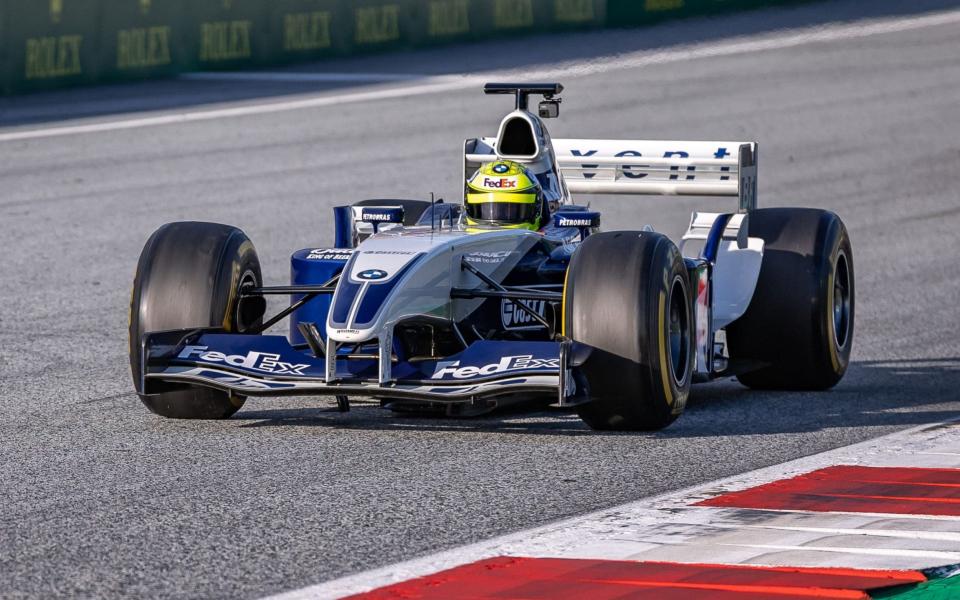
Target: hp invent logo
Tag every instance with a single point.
(371, 274)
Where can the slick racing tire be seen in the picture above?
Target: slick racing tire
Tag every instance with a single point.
(800, 321)
(627, 296)
(412, 209)
(188, 276)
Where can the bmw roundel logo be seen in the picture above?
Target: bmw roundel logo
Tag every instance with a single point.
(370, 274)
(500, 168)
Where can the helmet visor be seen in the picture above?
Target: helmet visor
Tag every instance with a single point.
(484, 207)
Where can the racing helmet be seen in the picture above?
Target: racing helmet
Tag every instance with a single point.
(503, 194)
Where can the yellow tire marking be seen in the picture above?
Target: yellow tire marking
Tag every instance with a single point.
(831, 325)
(664, 367)
(228, 317)
(246, 246)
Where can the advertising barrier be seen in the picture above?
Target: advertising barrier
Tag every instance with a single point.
(137, 39)
(48, 44)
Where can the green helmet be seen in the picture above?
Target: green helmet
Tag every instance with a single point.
(504, 194)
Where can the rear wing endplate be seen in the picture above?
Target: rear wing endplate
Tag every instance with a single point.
(660, 167)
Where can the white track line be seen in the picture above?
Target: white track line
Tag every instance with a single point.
(433, 85)
(671, 525)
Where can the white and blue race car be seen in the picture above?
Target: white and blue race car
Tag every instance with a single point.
(416, 311)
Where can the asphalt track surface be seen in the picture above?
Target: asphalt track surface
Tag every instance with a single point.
(100, 498)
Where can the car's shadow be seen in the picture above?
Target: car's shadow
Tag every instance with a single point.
(511, 53)
(874, 394)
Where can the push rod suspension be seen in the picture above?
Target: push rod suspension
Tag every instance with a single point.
(309, 293)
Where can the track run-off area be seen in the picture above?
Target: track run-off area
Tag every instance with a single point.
(854, 108)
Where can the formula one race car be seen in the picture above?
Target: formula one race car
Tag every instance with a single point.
(433, 306)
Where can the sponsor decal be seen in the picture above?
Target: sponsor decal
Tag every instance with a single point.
(688, 173)
(329, 254)
(568, 222)
(378, 217)
(143, 47)
(372, 274)
(501, 183)
(376, 24)
(573, 11)
(240, 381)
(449, 17)
(260, 361)
(511, 14)
(397, 252)
(225, 40)
(487, 258)
(307, 30)
(514, 317)
(52, 56)
(348, 331)
(500, 168)
(507, 363)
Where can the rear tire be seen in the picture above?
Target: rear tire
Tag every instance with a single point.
(188, 275)
(626, 295)
(800, 320)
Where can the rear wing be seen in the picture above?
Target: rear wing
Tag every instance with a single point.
(660, 167)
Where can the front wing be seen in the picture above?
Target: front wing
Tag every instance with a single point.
(267, 365)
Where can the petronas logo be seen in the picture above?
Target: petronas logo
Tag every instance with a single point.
(56, 10)
(144, 6)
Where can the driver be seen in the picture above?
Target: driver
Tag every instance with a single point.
(505, 195)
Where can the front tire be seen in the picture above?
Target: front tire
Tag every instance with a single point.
(626, 295)
(800, 320)
(189, 275)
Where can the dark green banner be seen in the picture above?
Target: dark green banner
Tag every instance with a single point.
(49, 43)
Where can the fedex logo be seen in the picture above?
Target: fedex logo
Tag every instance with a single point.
(499, 183)
(507, 363)
(261, 361)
